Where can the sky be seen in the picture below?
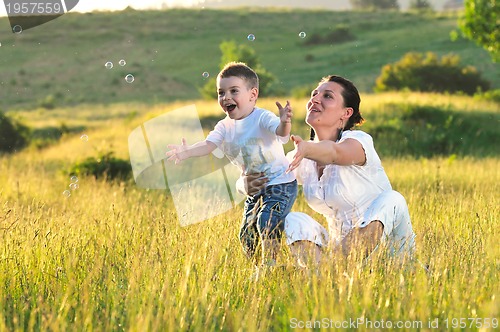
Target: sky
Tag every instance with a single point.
(91, 5)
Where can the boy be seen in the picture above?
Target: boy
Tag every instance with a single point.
(252, 139)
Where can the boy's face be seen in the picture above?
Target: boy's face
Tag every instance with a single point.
(235, 97)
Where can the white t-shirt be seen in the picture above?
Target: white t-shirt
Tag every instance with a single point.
(252, 144)
(343, 193)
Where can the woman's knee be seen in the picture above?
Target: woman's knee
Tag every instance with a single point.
(395, 197)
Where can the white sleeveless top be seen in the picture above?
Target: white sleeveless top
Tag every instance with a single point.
(343, 193)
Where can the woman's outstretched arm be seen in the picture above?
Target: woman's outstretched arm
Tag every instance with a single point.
(346, 153)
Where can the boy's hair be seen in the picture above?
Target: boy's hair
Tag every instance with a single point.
(241, 70)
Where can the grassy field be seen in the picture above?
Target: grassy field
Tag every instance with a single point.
(113, 257)
(62, 62)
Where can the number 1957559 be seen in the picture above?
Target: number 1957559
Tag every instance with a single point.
(34, 8)
(477, 323)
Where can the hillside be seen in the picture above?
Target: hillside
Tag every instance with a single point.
(62, 62)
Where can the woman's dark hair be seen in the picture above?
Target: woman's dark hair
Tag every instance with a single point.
(351, 99)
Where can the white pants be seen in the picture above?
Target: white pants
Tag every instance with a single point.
(389, 208)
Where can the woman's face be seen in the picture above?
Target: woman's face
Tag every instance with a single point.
(326, 107)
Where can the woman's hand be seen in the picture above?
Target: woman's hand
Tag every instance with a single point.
(300, 152)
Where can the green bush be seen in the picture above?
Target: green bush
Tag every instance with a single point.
(209, 90)
(49, 102)
(427, 131)
(13, 135)
(303, 91)
(420, 4)
(240, 53)
(427, 73)
(104, 166)
(374, 4)
(46, 136)
(309, 57)
(340, 34)
(492, 95)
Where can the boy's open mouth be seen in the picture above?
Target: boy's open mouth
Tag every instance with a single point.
(230, 107)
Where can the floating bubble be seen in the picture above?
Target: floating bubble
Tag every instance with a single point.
(17, 29)
(108, 65)
(122, 62)
(84, 138)
(251, 37)
(0, 44)
(66, 193)
(302, 34)
(74, 186)
(205, 74)
(74, 179)
(129, 78)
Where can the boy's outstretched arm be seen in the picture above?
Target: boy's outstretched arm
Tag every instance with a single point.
(178, 153)
(285, 125)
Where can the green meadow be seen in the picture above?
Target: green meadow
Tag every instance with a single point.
(113, 257)
(62, 62)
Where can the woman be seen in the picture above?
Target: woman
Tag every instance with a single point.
(343, 179)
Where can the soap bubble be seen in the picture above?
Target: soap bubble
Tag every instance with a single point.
(74, 179)
(108, 65)
(17, 29)
(74, 186)
(84, 138)
(122, 62)
(302, 34)
(129, 78)
(251, 37)
(66, 193)
(205, 74)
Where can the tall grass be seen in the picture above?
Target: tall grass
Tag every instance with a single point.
(112, 257)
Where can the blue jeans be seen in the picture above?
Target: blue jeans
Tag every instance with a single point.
(264, 215)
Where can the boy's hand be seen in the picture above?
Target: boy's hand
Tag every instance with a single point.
(178, 153)
(285, 112)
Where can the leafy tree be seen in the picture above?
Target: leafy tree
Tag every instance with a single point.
(375, 4)
(425, 72)
(240, 53)
(480, 24)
